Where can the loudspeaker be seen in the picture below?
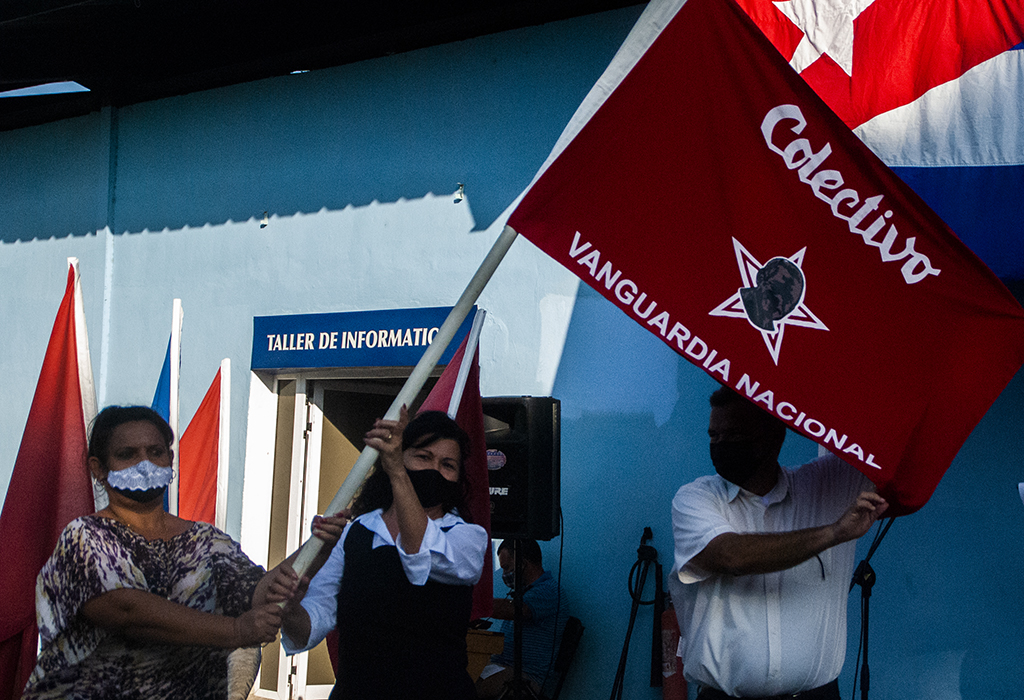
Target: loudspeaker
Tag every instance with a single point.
(523, 465)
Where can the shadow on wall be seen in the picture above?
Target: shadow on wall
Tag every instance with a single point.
(483, 112)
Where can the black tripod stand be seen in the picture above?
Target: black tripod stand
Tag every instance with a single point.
(864, 576)
(517, 688)
(646, 555)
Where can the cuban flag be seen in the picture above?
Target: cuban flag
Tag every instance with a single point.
(935, 89)
(199, 491)
(162, 396)
(705, 189)
(165, 398)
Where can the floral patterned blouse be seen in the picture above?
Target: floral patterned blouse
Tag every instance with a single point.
(202, 568)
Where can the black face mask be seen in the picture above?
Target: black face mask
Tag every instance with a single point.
(509, 578)
(141, 496)
(432, 488)
(735, 461)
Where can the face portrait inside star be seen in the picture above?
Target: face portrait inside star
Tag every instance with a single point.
(778, 290)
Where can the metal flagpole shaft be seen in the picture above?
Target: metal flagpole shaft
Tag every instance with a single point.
(412, 386)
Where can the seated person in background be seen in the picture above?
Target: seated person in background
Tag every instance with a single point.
(543, 604)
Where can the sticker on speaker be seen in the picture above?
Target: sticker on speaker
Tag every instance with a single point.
(495, 459)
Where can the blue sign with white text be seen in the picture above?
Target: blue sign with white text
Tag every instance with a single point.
(390, 338)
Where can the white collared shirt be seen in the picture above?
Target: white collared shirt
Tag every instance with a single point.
(452, 552)
(764, 634)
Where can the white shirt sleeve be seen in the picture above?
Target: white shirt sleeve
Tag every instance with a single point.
(321, 599)
(452, 552)
(696, 520)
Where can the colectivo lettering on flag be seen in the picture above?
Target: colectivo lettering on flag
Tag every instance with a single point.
(707, 191)
(935, 89)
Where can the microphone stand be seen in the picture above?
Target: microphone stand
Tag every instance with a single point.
(647, 555)
(864, 576)
(517, 688)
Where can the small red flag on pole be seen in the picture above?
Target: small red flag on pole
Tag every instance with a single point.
(203, 456)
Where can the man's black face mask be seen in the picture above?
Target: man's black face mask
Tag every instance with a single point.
(735, 461)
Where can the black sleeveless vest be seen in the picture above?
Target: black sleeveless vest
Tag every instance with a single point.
(398, 641)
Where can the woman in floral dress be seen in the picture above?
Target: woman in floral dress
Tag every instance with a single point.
(137, 603)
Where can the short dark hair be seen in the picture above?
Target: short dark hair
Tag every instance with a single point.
(422, 431)
(107, 420)
(773, 427)
(528, 548)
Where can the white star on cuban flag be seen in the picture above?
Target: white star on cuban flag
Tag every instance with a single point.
(827, 27)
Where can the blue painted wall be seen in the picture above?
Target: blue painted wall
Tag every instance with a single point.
(354, 167)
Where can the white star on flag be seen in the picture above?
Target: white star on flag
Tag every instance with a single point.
(733, 306)
(828, 29)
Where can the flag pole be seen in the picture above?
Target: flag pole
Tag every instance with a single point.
(82, 349)
(177, 316)
(412, 386)
(467, 363)
(223, 444)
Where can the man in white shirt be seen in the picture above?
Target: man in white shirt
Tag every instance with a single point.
(763, 562)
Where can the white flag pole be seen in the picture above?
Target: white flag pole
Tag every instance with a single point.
(85, 379)
(223, 445)
(176, 320)
(412, 386)
(82, 349)
(467, 364)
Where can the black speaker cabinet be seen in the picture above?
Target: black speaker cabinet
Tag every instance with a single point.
(523, 465)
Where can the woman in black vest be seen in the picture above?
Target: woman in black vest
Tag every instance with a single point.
(399, 584)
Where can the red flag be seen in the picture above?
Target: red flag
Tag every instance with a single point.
(873, 330)
(198, 459)
(50, 485)
(469, 414)
(867, 58)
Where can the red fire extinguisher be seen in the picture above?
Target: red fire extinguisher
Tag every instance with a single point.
(673, 686)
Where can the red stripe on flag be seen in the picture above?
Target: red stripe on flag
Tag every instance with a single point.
(712, 157)
(198, 457)
(49, 488)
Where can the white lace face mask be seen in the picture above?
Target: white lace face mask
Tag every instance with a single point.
(144, 476)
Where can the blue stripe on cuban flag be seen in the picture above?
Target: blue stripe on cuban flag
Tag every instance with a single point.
(162, 396)
(960, 146)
